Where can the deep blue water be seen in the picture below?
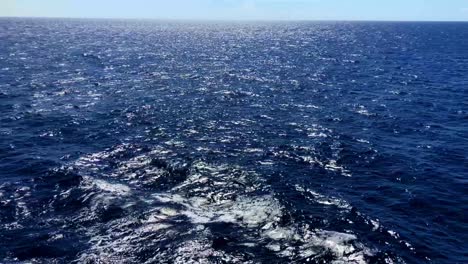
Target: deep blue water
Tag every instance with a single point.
(178, 142)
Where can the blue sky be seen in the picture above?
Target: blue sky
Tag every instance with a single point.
(242, 9)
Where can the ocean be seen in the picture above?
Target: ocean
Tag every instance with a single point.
(134, 141)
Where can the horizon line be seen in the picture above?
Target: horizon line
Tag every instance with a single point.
(232, 20)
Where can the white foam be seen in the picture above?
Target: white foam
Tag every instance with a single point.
(266, 162)
(209, 194)
(322, 199)
(363, 111)
(253, 150)
(263, 212)
(267, 117)
(332, 165)
(115, 188)
(249, 212)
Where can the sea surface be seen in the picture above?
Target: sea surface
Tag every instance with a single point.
(215, 142)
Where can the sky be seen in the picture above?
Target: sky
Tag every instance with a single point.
(400, 10)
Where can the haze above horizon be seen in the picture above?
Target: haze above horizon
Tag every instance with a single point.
(398, 10)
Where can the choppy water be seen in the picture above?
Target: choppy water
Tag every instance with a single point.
(158, 142)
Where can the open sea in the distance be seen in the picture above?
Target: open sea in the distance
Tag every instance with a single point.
(215, 142)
